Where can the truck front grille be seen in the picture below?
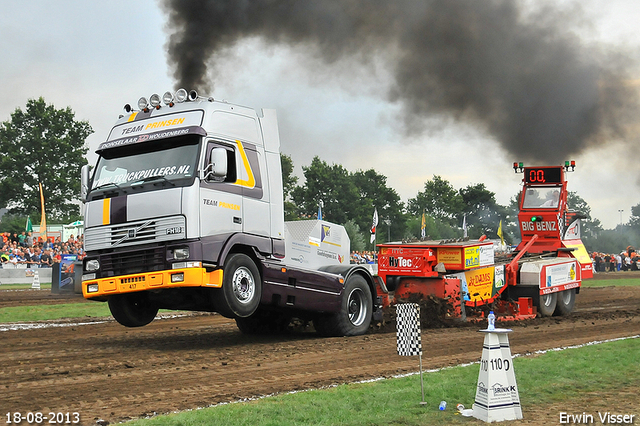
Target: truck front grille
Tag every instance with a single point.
(135, 233)
(133, 262)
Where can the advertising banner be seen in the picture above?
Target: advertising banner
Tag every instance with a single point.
(67, 272)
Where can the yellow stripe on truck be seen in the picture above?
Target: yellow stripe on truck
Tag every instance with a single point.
(106, 211)
(251, 180)
(193, 277)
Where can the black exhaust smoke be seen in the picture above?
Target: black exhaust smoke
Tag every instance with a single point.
(521, 75)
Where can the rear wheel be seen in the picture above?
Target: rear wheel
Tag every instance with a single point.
(241, 289)
(546, 304)
(132, 309)
(566, 301)
(355, 313)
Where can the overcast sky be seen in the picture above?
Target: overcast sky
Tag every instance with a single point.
(97, 56)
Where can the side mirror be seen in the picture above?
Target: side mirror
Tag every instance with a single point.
(84, 182)
(217, 167)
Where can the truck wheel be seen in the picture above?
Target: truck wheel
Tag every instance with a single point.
(565, 303)
(132, 309)
(546, 304)
(355, 313)
(241, 289)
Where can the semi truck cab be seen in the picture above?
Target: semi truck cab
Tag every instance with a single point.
(184, 210)
(174, 187)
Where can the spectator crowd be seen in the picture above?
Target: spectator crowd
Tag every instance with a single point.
(364, 257)
(626, 260)
(25, 251)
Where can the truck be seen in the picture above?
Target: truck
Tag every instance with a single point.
(184, 210)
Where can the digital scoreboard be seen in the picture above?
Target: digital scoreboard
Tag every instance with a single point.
(543, 175)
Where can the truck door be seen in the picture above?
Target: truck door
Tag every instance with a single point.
(221, 198)
(254, 179)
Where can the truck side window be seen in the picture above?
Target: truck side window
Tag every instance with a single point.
(232, 173)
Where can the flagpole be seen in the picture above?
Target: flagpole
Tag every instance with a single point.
(43, 220)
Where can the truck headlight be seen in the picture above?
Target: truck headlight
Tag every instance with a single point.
(92, 265)
(181, 253)
(92, 288)
(182, 265)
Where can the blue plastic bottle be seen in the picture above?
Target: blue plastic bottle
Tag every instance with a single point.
(492, 321)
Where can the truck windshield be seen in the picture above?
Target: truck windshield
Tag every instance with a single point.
(169, 160)
(541, 197)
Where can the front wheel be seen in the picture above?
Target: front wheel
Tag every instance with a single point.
(132, 309)
(546, 304)
(565, 303)
(355, 313)
(241, 289)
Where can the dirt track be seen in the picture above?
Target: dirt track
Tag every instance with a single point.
(105, 371)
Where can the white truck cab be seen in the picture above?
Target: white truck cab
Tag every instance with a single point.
(184, 210)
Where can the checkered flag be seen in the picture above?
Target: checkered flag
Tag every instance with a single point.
(408, 324)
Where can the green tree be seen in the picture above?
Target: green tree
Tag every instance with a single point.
(289, 181)
(333, 186)
(13, 223)
(634, 220)
(358, 240)
(435, 229)
(42, 145)
(439, 199)
(375, 194)
(350, 197)
(483, 212)
(511, 227)
(590, 228)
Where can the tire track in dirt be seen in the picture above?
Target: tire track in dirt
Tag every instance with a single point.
(110, 372)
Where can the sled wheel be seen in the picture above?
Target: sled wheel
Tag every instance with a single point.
(241, 289)
(546, 304)
(565, 303)
(132, 309)
(355, 313)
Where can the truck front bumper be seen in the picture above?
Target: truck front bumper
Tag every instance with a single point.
(171, 278)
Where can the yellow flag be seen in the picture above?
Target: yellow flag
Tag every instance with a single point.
(500, 232)
(423, 228)
(43, 221)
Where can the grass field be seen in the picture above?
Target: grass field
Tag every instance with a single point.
(43, 286)
(547, 380)
(620, 282)
(53, 312)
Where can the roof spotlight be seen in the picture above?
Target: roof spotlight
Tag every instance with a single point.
(142, 103)
(128, 108)
(193, 95)
(154, 100)
(167, 98)
(181, 95)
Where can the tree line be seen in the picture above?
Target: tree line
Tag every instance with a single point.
(47, 145)
(350, 198)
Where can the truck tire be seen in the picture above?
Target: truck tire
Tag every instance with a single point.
(241, 289)
(546, 304)
(565, 303)
(132, 309)
(355, 313)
